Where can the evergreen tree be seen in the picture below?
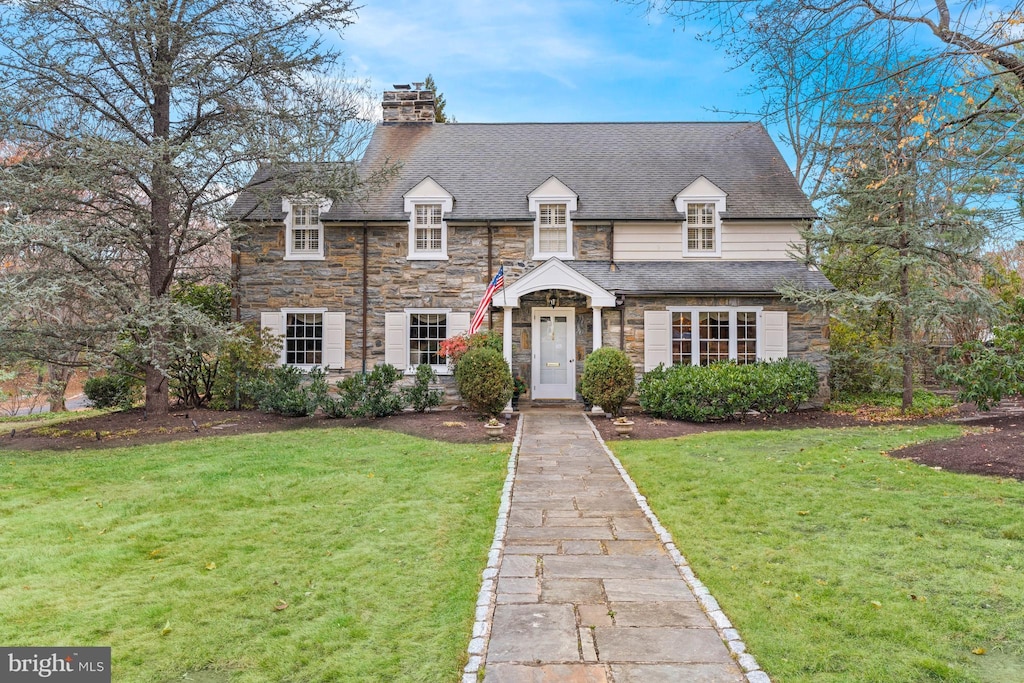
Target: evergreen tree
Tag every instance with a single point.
(439, 102)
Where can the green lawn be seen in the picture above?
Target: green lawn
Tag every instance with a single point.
(837, 563)
(183, 556)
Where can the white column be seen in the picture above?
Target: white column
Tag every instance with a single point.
(506, 345)
(597, 327)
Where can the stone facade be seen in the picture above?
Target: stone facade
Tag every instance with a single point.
(264, 281)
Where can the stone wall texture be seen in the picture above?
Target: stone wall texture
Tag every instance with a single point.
(264, 281)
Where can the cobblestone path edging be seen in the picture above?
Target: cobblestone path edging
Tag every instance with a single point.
(486, 597)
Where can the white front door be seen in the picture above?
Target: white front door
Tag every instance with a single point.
(554, 353)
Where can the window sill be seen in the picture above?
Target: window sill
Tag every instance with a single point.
(439, 370)
(561, 257)
(438, 256)
(304, 257)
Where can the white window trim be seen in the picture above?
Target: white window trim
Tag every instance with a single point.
(695, 312)
(411, 203)
(286, 207)
(284, 336)
(570, 202)
(410, 369)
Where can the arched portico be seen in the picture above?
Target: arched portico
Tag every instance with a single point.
(552, 369)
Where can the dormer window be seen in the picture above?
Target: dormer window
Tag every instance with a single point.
(552, 204)
(701, 203)
(429, 230)
(553, 231)
(304, 231)
(427, 203)
(700, 227)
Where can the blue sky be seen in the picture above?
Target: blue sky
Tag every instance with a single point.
(546, 60)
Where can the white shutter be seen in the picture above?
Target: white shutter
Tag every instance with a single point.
(334, 340)
(775, 334)
(657, 339)
(458, 323)
(273, 322)
(396, 337)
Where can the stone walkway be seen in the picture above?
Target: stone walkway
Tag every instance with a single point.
(586, 590)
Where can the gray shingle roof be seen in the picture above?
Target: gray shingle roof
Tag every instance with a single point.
(699, 277)
(621, 171)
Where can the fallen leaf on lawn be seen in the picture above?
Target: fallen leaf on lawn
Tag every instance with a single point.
(211, 565)
(281, 604)
(166, 629)
(978, 651)
(803, 513)
(876, 604)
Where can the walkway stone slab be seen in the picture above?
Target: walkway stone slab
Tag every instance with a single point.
(551, 673)
(662, 644)
(682, 614)
(609, 567)
(533, 633)
(644, 590)
(676, 673)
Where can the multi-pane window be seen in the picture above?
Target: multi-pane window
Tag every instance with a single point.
(428, 227)
(426, 332)
(305, 229)
(554, 231)
(700, 227)
(746, 337)
(702, 337)
(714, 336)
(682, 338)
(304, 339)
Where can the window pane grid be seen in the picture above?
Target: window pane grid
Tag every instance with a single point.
(553, 228)
(746, 337)
(682, 339)
(428, 227)
(426, 332)
(714, 336)
(700, 227)
(305, 233)
(304, 338)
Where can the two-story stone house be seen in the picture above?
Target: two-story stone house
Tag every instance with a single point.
(667, 240)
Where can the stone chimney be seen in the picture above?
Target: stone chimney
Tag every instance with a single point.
(408, 104)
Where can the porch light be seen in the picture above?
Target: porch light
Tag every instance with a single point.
(552, 299)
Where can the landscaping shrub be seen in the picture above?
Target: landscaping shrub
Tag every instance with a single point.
(724, 390)
(420, 396)
(284, 391)
(113, 391)
(608, 379)
(244, 359)
(453, 348)
(369, 395)
(484, 380)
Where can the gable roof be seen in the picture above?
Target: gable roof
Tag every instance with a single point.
(620, 171)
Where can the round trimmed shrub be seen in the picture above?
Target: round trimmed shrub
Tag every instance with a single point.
(484, 381)
(608, 379)
(113, 391)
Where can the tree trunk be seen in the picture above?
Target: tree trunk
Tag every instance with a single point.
(57, 380)
(160, 266)
(906, 320)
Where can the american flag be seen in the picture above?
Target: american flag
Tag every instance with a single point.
(485, 303)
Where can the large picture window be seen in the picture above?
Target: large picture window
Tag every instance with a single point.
(702, 336)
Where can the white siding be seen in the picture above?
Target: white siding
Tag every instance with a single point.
(648, 241)
(760, 241)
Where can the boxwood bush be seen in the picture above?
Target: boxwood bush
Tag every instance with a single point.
(723, 391)
(608, 379)
(484, 381)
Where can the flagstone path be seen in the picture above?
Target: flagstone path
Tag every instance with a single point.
(586, 590)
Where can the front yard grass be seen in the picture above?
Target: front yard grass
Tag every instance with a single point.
(313, 555)
(839, 564)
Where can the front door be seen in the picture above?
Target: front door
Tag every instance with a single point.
(554, 353)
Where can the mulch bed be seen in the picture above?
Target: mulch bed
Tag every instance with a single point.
(994, 447)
